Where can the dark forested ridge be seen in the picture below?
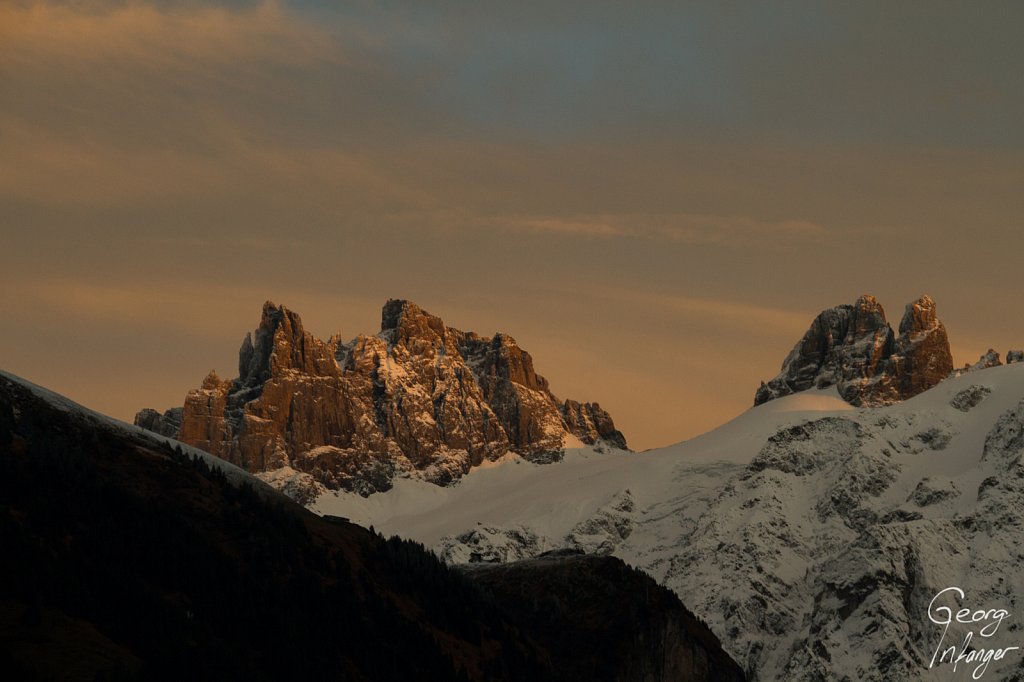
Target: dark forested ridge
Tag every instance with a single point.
(123, 559)
(643, 630)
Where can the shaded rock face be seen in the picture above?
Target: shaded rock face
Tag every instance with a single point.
(418, 398)
(166, 424)
(590, 418)
(854, 348)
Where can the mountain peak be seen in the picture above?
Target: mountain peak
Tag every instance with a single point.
(920, 316)
(278, 344)
(275, 315)
(855, 349)
(394, 310)
(419, 399)
(403, 321)
(212, 381)
(869, 303)
(270, 308)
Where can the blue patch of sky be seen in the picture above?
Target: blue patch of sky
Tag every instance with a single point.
(792, 71)
(554, 79)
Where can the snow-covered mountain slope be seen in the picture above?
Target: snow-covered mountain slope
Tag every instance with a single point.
(810, 535)
(554, 498)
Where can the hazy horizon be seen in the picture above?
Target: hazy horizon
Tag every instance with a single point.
(654, 200)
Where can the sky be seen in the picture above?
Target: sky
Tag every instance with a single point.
(654, 198)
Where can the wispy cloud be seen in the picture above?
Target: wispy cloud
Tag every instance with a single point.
(682, 228)
(186, 39)
(112, 103)
(170, 306)
(707, 314)
(604, 227)
(230, 165)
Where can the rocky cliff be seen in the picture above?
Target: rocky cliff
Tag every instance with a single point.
(417, 398)
(854, 348)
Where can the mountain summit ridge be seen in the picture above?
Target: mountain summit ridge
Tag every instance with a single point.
(418, 398)
(854, 348)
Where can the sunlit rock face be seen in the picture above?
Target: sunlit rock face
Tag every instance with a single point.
(418, 398)
(854, 348)
(922, 357)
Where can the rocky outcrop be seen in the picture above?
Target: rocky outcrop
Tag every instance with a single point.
(590, 419)
(490, 544)
(418, 398)
(605, 531)
(970, 397)
(989, 358)
(854, 348)
(166, 424)
(932, 490)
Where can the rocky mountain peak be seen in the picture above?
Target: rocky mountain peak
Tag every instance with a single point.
(868, 317)
(403, 323)
(854, 348)
(278, 323)
(213, 381)
(280, 343)
(409, 320)
(394, 310)
(922, 357)
(919, 317)
(419, 399)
